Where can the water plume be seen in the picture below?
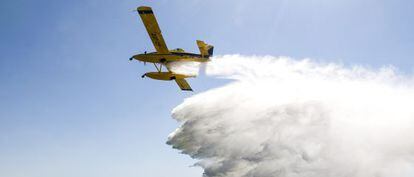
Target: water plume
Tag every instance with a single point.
(281, 117)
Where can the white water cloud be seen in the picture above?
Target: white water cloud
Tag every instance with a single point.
(291, 118)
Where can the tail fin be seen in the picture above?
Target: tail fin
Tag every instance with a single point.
(205, 49)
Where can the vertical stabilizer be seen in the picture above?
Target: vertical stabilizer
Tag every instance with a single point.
(205, 49)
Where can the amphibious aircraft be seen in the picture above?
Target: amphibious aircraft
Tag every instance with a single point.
(163, 56)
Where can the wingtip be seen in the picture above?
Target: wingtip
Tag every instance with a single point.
(187, 90)
(141, 8)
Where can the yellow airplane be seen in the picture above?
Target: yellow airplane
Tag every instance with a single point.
(163, 56)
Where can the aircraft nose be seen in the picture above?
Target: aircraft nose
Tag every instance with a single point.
(134, 57)
(140, 57)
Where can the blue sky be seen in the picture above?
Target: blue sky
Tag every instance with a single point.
(71, 104)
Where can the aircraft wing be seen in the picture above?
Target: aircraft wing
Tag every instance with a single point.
(153, 29)
(183, 84)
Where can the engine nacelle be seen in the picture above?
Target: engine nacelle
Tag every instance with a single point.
(166, 76)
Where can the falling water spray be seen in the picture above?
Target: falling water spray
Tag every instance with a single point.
(280, 117)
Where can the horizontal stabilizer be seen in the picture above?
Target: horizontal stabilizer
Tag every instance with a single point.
(183, 84)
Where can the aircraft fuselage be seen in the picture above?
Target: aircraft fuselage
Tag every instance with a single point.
(155, 57)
